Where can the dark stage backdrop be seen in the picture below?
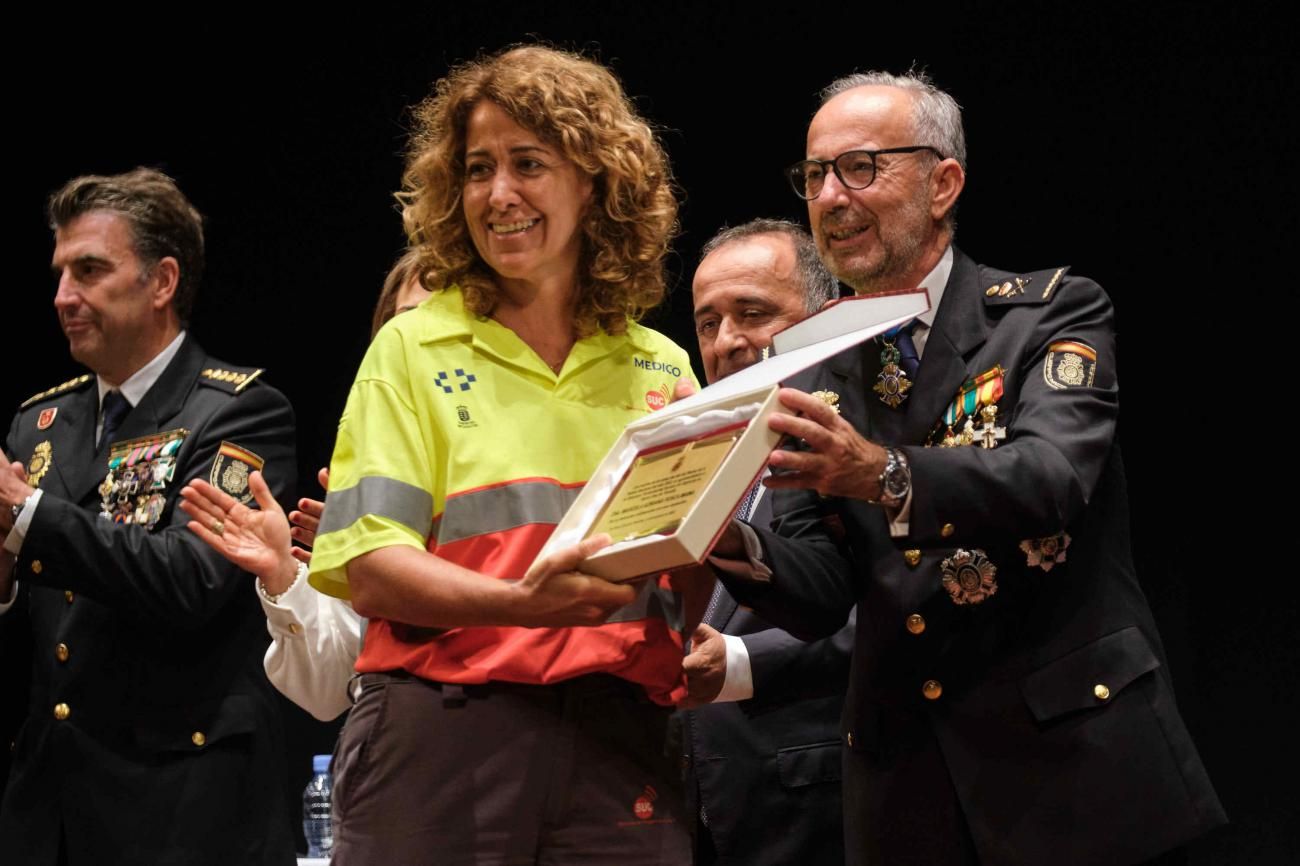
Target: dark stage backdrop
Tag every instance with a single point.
(1143, 146)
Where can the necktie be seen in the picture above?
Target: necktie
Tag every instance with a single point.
(744, 512)
(114, 409)
(907, 357)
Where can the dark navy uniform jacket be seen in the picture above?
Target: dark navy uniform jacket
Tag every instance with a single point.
(767, 770)
(1033, 723)
(151, 733)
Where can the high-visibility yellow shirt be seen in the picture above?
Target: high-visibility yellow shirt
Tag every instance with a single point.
(457, 438)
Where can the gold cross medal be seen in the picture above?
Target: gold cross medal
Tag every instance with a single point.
(892, 383)
(989, 434)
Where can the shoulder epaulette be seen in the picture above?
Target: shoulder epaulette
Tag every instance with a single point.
(233, 381)
(70, 385)
(1035, 288)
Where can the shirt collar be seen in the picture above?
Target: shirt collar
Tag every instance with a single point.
(934, 283)
(134, 388)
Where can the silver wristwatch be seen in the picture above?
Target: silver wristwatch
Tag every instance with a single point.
(895, 478)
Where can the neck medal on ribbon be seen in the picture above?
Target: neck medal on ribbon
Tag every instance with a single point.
(977, 398)
(892, 383)
(139, 470)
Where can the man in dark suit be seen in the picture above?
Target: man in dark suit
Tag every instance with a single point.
(763, 754)
(151, 734)
(1009, 701)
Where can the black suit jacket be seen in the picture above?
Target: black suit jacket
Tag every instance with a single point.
(767, 769)
(169, 747)
(1037, 726)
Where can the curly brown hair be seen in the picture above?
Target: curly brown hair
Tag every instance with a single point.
(578, 106)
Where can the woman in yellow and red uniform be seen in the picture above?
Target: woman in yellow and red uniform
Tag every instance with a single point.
(508, 714)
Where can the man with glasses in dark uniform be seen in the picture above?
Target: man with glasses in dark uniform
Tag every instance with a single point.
(1009, 701)
(152, 735)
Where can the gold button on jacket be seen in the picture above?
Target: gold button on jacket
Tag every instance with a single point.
(62, 711)
(932, 689)
(61, 652)
(916, 623)
(197, 738)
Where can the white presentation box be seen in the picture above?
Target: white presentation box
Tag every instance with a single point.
(742, 403)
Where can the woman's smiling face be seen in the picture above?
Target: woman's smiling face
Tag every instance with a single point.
(523, 199)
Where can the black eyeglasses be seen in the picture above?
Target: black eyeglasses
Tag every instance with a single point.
(856, 169)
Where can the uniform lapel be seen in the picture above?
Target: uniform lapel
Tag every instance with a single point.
(959, 327)
(72, 442)
(848, 380)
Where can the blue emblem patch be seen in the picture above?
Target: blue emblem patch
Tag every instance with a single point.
(446, 382)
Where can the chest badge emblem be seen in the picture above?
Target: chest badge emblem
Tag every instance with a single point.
(969, 576)
(1046, 552)
(42, 458)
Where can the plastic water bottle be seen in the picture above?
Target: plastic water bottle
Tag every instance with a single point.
(316, 809)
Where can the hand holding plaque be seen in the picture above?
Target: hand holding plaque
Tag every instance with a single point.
(668, 488)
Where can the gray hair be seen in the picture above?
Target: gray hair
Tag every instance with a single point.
(936, 115)
(816, 281)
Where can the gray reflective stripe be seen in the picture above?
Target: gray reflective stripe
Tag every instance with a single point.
(383, 497)
(653, 602)
(497, 509)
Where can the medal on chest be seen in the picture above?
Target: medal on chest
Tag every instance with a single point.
(969, 576)
(892, 383)
(134, 488)
(1045, 553)
(976, 399)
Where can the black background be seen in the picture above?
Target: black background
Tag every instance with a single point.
(1147, 147)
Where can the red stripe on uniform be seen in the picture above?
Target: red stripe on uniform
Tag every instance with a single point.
(646, 652)
(497, 554)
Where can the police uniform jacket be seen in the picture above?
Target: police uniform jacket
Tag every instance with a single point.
(1025, 713)
(151, 734)
(766, 771)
